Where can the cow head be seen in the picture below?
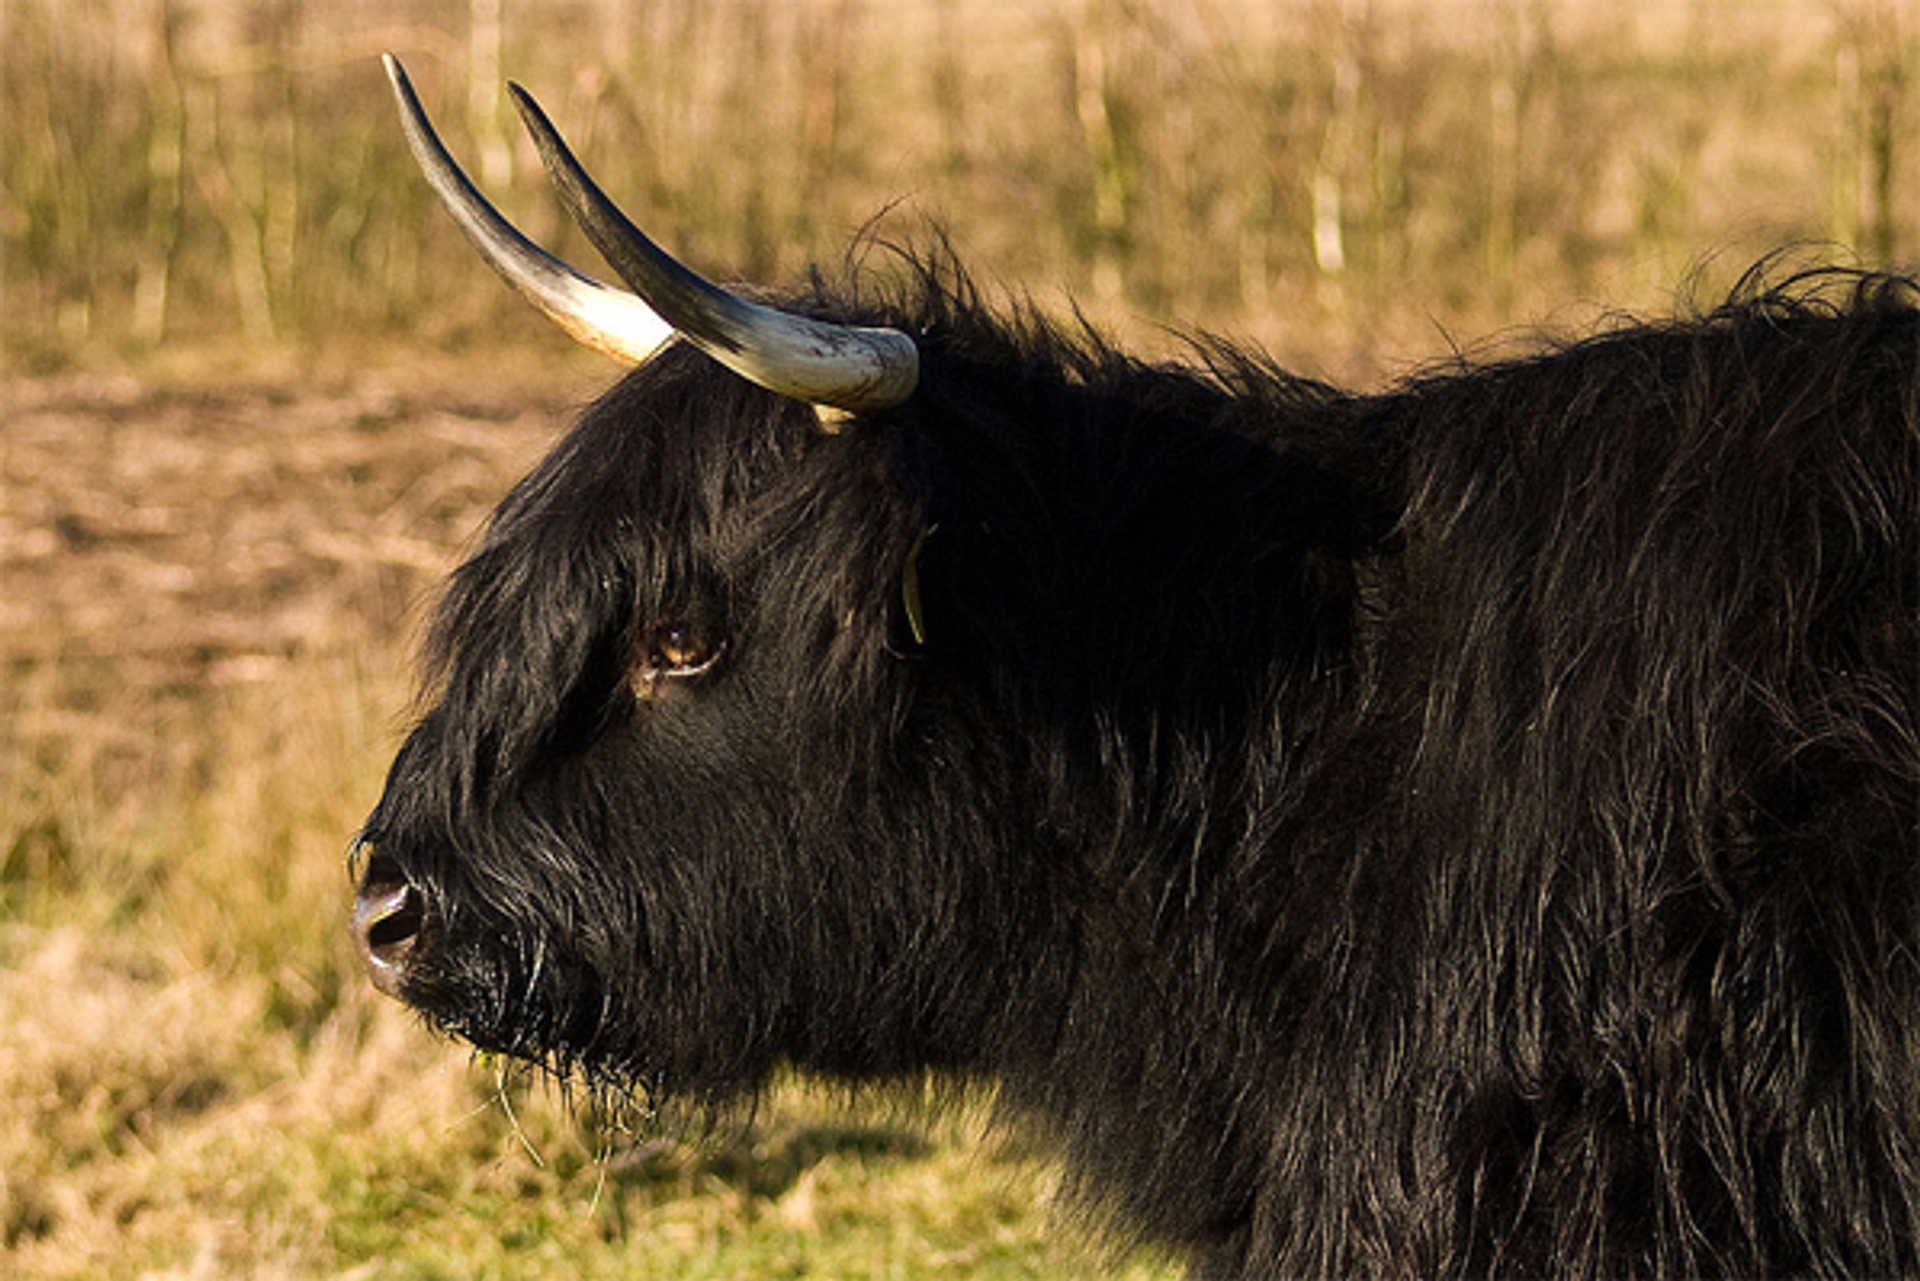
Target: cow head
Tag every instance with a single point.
(657, 823)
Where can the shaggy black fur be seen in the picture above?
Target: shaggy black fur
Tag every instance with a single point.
(1473, 829)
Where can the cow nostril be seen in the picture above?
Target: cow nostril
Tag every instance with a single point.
(398, 928)
(387, 919)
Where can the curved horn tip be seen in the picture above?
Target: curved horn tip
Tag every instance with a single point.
(610, 320)
(847, 367)
(396, 70)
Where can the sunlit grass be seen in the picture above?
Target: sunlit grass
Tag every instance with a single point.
(1345, 181)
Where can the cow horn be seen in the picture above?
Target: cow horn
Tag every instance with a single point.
(606, 319)
(844, 367)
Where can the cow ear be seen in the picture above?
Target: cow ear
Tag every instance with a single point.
(912, 606)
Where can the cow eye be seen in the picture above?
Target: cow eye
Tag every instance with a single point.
(671, 651)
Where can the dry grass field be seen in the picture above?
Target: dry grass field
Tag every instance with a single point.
(255, 396)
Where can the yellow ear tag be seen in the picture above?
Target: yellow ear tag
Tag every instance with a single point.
(910, 588)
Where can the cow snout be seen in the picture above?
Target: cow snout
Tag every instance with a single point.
(387, 918)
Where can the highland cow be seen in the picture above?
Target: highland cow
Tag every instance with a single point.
(1468, 829)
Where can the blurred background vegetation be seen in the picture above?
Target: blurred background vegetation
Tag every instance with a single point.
(1302, 170)
(256, 394)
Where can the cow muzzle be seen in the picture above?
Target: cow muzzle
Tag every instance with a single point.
(389, 914)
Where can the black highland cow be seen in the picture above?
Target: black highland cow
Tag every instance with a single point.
(1473, 829)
